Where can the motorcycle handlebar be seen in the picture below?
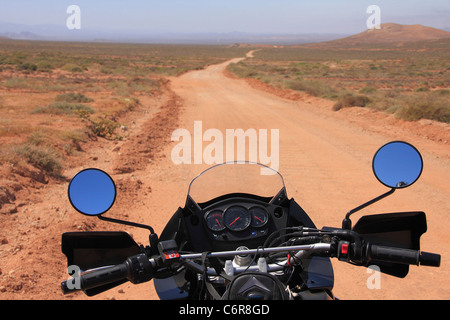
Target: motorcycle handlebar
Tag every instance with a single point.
(140, 268)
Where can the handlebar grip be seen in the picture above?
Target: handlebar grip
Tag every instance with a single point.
(430, 259)
(96, 278)
(104, 276)
(136, 269)
(395, 255)
(404, 256)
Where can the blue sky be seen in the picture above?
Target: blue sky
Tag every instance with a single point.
(203, 16)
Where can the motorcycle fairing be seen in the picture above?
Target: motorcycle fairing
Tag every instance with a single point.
(317, 271)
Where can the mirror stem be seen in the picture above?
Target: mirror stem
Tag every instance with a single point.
(133, 224)
(347, 223)
(153, 238)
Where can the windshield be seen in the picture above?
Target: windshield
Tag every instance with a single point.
(235, 177)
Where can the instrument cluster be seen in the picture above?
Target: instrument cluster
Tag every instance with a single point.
(238, 220)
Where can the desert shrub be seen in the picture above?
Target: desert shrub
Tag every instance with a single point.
(313, 87)
(63, 108)
(431, 106)
(44, 66)
(37, 138)
(47, 137)
(142, 84)
(351, 100)
(73, 68)
(368, 90)
(42, 158)
(27, 67)
(243, 70)
(129, 104)
(422, 89)
(104, 127)
(73, 97)
(73, 136)
(72, 141)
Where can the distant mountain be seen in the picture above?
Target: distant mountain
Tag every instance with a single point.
(61, 33)
(224, 38)
(20, 36)
(38, 32)
(390, 33)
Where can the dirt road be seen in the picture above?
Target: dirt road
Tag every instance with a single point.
(324, 157)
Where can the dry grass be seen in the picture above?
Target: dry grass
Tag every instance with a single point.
(54, 95)
(351, 100)
(63, 108)
(411, 81)
(45, 159)
(432, 105)
(73, 97)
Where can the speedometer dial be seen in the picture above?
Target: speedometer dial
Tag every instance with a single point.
(237, 218)
(259, 216)
(214, 220)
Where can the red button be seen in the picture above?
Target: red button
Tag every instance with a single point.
(172, 254)
(344, 248)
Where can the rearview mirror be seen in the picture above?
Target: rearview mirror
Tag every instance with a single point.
(92, 192)
(397, 164)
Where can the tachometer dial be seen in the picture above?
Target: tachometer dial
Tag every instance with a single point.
(236, 218)
(259, 216)
(214, 220)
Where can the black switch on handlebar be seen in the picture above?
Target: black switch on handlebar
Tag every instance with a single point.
(168, 251)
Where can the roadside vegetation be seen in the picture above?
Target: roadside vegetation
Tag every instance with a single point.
(412, 81)
(54, 96)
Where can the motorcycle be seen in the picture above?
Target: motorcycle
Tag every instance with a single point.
(239, 237)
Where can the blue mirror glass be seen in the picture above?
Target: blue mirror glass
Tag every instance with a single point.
(397, 164)
(92, 192)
